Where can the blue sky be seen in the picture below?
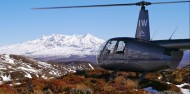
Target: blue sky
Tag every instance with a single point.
(19, 23)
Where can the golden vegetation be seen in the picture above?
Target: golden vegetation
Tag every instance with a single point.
(93, 82)
(6, 89)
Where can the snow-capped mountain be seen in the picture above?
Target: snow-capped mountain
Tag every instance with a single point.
(17, 67)
(56, 46)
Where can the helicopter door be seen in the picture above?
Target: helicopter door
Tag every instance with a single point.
(120, 51)
(108, 51)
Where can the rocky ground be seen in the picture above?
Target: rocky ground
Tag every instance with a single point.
(17, 67)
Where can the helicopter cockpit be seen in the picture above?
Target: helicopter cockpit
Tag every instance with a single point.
(115, 49)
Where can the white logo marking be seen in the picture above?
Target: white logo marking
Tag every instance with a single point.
(141, 34)
(143, 22)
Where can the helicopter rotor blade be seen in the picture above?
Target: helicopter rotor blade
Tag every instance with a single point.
(170, 2)
(142, 3)
(88, 6)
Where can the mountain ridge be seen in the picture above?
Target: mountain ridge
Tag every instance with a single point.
(56, 45)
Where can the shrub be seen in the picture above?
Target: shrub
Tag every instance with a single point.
(177, 77)
(58, 86)
(98, 73)
(107, 88)
(95, 84)
(22, 90)
(131, 84)
(132, 74)
(36, 86)
(122, 83)
(81, 89)
(120, 80)
(39, 84)
(17, 74)
(174, 88)
(73, 79)
(119, 87)
(6, 89)
(152, 76)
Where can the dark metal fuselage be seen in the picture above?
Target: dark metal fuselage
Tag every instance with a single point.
(130, 54)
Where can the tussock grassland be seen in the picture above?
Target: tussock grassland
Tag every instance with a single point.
(96, 82)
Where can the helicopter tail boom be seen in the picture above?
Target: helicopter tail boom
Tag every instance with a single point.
(182, 44)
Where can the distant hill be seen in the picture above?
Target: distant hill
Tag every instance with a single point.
(17, 67)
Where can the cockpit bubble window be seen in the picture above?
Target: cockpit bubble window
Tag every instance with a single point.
(110, 46)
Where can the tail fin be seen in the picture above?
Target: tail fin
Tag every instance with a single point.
(143, 30)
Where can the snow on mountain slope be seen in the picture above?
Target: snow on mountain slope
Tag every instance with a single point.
(56, 45)
(17, 67)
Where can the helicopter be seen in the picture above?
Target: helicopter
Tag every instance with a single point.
(139, 54)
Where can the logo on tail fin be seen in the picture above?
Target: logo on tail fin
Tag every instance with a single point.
(143, 31)
(142, 34)
(143, 22)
